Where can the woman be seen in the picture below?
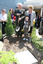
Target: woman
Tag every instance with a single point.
(12, 13)
(13, 18)
(31, 15)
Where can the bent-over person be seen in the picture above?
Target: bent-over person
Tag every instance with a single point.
(20, 15)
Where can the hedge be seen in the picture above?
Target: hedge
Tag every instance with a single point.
(37, 41)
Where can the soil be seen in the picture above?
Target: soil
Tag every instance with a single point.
(18, 45)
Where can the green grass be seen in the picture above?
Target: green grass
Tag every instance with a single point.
(0, 34)
(37, 41)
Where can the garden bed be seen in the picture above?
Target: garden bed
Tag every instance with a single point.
(37, 41)
(18, 45)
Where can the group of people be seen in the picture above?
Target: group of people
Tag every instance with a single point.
(24, 19)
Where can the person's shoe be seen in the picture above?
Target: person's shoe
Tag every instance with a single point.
(24, 38)
(3, 35)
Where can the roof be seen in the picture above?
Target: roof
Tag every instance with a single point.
(35, 3)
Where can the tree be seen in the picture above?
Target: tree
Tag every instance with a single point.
(9, 27)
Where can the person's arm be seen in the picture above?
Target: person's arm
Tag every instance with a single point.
(23, 16)
(3, 20)
(16, 13)
(34, 17)
(0, 18)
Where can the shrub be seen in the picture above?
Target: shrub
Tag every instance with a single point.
(37, 41)
(7, 57)
(9, 27)
(42, 62)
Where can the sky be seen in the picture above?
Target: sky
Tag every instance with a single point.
(31, 0)
(28, 0)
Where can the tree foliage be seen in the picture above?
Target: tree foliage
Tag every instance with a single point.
(9, 27)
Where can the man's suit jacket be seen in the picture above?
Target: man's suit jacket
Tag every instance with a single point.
(32, 16)
(22, 16)
(39, 19)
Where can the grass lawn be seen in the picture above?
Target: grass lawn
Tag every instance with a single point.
(0, 34)
(37, 41)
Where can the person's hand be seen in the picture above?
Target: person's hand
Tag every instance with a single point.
(33, 21)
(18, 14)
(3, 21)
(19, 19)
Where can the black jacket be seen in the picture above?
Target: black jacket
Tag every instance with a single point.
(22, 16)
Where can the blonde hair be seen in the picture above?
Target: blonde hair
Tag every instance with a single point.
(30, 6)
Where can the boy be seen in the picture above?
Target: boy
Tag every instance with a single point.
(26, 28)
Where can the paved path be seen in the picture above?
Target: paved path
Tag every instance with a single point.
(26, 57)
(1, 45)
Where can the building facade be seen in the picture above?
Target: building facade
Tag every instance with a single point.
(7, 4)
(38, 6)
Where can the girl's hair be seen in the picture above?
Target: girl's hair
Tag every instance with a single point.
(12, 10)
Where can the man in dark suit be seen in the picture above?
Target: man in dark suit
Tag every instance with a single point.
(38, 21)
(20, 16)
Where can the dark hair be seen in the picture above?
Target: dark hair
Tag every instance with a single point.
(12, 10)
(26, 16)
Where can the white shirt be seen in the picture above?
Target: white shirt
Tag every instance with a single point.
(3, 17)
